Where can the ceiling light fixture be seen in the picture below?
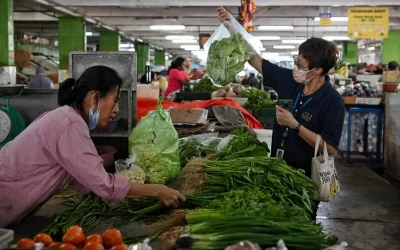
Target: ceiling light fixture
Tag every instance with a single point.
(336, 38)
(190, 47)
(131, 49)
(167, 27)
(371, 48)
(284, 47)
(275, 27)
(262, 49)
(293, 41)
(334, 19)
(89, 33)
(184, 41)
(294, 53)
(268, 38)
(179, 37)
(139, 40)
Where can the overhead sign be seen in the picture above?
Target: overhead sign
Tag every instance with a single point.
(203, 38)
(368, 22)
(325, 19)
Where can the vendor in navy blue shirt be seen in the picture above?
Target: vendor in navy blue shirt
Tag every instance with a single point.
(317, 107)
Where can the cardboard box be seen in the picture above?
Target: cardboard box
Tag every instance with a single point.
(391, 77)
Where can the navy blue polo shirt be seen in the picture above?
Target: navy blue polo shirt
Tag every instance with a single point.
(323, 114)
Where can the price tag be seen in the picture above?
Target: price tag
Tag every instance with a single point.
(368, 101)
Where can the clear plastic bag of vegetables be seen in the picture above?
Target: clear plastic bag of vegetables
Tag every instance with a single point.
(155, 142)
(128, 169)
(228, 49)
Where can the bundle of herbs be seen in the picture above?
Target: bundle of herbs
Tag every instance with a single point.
(284, 183)
(257, 100)
(224, 230)
(204, 85)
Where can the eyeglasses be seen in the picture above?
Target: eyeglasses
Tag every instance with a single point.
(296, 62)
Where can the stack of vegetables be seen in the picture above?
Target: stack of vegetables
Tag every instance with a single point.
(234, 192)
(257, 100)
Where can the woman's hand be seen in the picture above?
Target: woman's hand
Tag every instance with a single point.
(169, 196)
(285, 118)
(222, 14)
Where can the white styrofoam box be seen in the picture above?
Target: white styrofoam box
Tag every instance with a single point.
(240, 100)
(6, 236)
(148, 91)
(264, 135)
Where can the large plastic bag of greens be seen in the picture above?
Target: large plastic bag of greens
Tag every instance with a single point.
(228, 49)
(155, 142)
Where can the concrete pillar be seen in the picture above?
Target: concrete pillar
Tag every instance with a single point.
(6, 33)
(142, 52)
(391, 47)
(71, 38)
(109, 40)
(159, 58)
(350, 52)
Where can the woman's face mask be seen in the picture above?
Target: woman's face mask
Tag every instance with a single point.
(94, 116)
(300, 75)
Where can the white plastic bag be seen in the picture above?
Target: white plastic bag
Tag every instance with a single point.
(342, 246)
(228, 49)
(128, 169)
(324, 174)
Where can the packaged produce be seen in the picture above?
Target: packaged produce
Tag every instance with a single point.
(229, 48)
(128, 169)
(156, 144)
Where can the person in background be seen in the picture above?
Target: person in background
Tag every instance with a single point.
(188, 68)
(253, 81)
(56, 149)
(245, 80)
(196, 74)
(162, 80)
(41, 81)
(392, 66)
(177, 76)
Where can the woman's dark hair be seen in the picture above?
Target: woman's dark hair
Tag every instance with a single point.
(97, 78)
(319, 53)
(393, 65)
(177, 62)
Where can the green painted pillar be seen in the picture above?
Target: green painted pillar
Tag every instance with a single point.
(109, 40)
(71, 37)
(391, 47)
(142, 53)
(350, 52)
(6, 33)
(159, 58)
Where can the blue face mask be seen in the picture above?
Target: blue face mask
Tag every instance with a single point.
(94, 118)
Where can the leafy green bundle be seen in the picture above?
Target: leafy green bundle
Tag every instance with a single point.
(257, 100)
(284, 183)
(226, 58)
(205, 85)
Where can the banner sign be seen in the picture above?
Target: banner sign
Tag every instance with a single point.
(368, 22)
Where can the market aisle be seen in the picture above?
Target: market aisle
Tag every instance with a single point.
(367, 212)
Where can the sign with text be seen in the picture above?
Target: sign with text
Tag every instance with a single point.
(368, 22)
(325, 19)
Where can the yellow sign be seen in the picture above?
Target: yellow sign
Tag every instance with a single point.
(325, 21)
(368, 22)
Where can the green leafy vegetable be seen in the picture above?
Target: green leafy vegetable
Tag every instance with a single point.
(205, 85)
(226, 58)
(257, 100)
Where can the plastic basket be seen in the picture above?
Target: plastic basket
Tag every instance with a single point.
(6, 236)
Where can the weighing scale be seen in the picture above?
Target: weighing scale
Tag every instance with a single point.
(11, 122)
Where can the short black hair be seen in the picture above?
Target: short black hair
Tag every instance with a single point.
(97, 78)
(393, 65)
(319, 53)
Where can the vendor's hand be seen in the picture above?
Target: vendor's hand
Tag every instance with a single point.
(285, 118)
(222, 14)
(169, 197)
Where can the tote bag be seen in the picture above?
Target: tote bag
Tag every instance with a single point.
(324, 174)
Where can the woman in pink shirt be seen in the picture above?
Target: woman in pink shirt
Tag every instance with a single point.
(177, 76)
(56, 149)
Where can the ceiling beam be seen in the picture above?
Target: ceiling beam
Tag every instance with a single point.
(178, 3)
(34, 16)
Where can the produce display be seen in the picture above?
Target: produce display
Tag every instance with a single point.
(360, 90)
(226, 58)
(257, 100)
(228, 91)
(233, 191)
(74, 238)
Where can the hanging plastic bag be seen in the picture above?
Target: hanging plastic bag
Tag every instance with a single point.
(156, 144)
(128, 169)
(228, 49)
(324, 174)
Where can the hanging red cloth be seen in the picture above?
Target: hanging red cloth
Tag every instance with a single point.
(144, 105)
